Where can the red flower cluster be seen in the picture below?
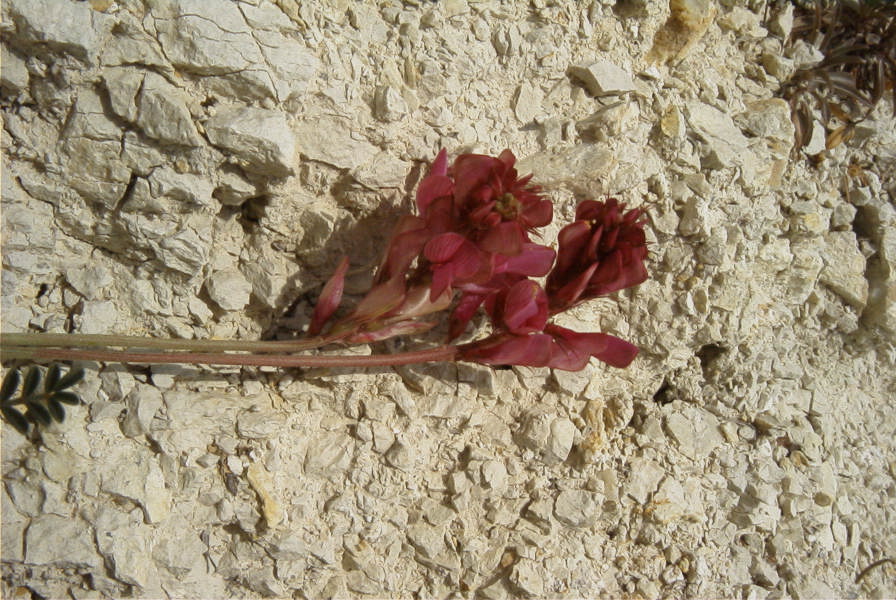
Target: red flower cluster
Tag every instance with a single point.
(473, 236)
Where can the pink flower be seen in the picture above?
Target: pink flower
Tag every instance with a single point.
(495, 207)
(603, 251)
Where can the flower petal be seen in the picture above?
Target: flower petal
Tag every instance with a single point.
(534, 260)
(524, 350)
(329, 300)
(504, 238)
(572, 350)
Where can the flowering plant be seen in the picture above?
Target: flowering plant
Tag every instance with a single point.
(471, 246)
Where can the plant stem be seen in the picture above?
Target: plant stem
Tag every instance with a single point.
(84, 340)
(442, 353)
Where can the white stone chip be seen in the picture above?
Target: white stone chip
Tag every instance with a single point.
(603, 78)
(229, 289)
(162, 113)
(340, 147)
(576, 508)
(259, 139)
(844, 268)
(72, 27)
(52, 539)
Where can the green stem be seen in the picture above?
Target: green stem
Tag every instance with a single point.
(442, 353)
(84, 340)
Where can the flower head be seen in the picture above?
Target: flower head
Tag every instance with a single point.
(603, 251)
(497, 208)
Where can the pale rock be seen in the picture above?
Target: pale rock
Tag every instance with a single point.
(494, 474)
(259, 139)
(138, 478)
(540, 512)
(388, 104)
(262, 482)
(494, 591)
(383, 170)
(183, 249)
(603, 78)
(782, 22)
(560, 440)
(70, 27)
(229, 289)
(844, 268)
(842, 216)
(211, 38)
(609, 122)
(428, 541)
(95, 169)
(804, 54)
(808, 218)
(645, 476)
(743, 21)
(329, 454)
(777, 65)
(260, 425)
(687, 24)
(697, 218)
(527, 578)
(162, 113)
(527, 102)
(233, 190)
(817, 142)
(99, 316)
(768, 118)
(61, 541)
(805, 267)
(400, 456)
(90, 281)
(181, 554)
(340, 147)
(577, 508)
(269, 274)
(682, 430)
(183, 187)
(571, 166)
(142, 405)
(672, 501)
(14, 74)
(672, 123)
(776, 254)
(725, 146)
(535, 429)
(125, 547)
(292, 64)
(12, 534)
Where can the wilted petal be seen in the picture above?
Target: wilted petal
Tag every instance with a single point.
(329, 300)
(381, 299)
(388, 331)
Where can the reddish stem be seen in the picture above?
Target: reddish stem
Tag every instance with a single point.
(440, 354)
